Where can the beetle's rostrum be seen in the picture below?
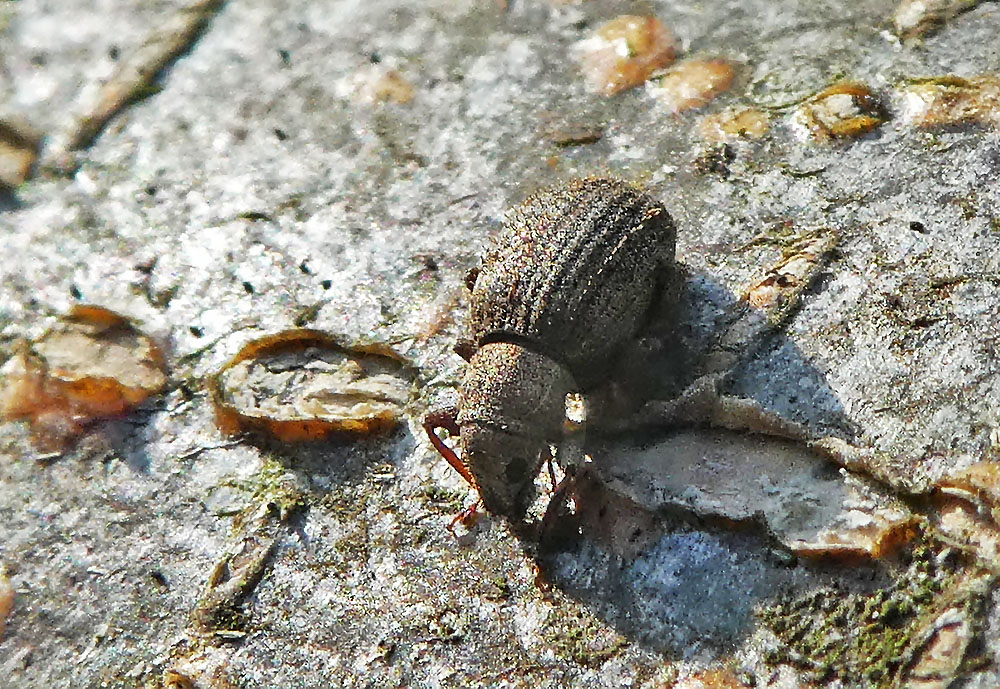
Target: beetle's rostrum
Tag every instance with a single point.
(568, 282)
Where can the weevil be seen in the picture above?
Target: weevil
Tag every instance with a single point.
(570, 280)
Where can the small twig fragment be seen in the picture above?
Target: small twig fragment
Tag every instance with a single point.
(134, 79)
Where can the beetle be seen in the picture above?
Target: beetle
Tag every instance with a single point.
(572, 278)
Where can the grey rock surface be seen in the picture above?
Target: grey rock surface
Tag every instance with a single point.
(265, 186)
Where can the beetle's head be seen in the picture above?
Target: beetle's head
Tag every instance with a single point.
(504, 465)
(512, 405)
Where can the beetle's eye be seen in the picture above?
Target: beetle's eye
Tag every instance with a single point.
(470, 278)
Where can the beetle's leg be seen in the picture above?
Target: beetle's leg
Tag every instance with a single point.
(558, 508)
(549, 458)
(465, 349)
(446, 419)
(467, 517)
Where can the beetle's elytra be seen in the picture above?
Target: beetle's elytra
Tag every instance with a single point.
(570, 280)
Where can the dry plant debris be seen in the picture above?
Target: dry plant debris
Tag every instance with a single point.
(787, 278)
(302, 385)
(712, 679)
(692, 84)
(624, 53)
(6, 600)
(380, 84)
(135, 77)
(914, 19)
(845, 110)
(949, 101)
(743, 123)
(93, 365)
(18, 150)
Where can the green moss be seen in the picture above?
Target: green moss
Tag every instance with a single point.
(441, 499)
(860, 640)
(574, 634)
(273, 486)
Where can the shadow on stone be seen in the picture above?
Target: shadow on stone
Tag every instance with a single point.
(675, 535)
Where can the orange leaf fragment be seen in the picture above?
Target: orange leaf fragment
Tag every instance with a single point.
(302, 385)
(624, 52)
(93, 365)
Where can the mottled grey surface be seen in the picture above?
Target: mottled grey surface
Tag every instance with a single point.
(265, 193)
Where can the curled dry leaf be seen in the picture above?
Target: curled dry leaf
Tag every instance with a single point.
(845, 110)
(968, 510)
(302, 385)
(624, 52)
(18, 150)
(745, 123)
(175, 679)
(950, 101)
(979, 484)
(94, 365)
(936, 664)
(692, 84)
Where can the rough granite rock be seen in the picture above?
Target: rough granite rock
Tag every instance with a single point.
(257, 185)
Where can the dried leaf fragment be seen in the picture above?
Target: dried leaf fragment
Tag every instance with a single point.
(692, 84)
(18, 150)
(786, 279)
(747, 123)
(624, 52)
(94, 365)
(573, 134)
(302, 385)
(979, 484)
(968, 510)
(915, 18)
(380, 85)
(939, 662)
(712, 679)
(175, 679)
(939, 648)
(138, 70)
(950, 101)
(6, 600)
(846, 110)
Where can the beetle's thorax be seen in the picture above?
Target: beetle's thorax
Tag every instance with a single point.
(515, 390)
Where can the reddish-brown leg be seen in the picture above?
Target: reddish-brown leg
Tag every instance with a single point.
(445, 418)
(467, 517)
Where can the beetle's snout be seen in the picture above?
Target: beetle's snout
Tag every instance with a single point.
(504, 465)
